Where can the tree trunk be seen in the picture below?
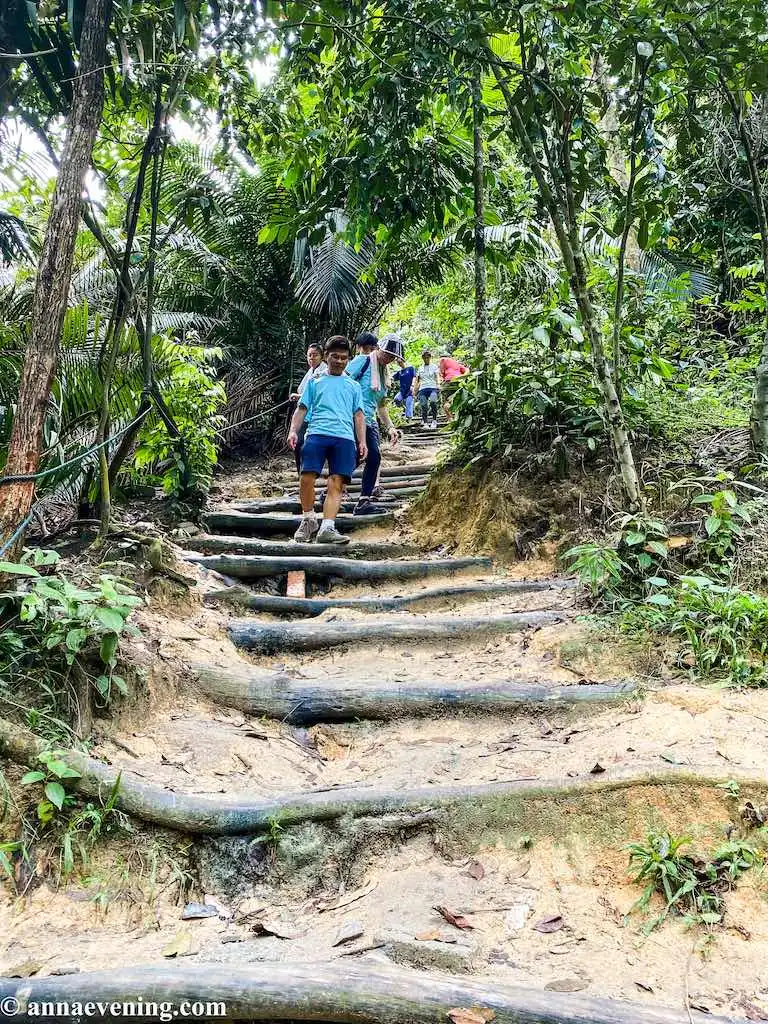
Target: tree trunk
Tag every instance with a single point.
(478, 184)
(54, 275)
(575, 265)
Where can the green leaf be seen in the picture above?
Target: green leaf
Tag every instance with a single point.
(17, 569)
(644, 49)
(110, 619)
(662, 600)
(31, 777)
(658, 547)
(76, 638)
(632, 537)
(712, 524)
(108, 647)
(657, 581)
(55, 793)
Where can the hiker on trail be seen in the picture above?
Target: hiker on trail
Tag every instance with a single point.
(427, 388)
(371, 372)
(451, 370)
(404, 379)
(332, 404)
(317, 367)
(366, 343)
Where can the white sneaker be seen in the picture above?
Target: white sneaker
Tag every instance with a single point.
(433, 424)
(306, 531)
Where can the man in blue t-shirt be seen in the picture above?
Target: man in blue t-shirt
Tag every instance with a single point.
(336, 435)
(404, 379)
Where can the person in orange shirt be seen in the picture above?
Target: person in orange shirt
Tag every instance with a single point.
(450, 370)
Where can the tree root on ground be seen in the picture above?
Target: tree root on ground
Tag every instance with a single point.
(312, 636)
(311, 606)
(251, 567)
(206, 815)
(365, 993)
(301, 702)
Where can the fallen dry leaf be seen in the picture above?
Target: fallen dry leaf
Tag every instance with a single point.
(677, 541)
(457, 920)
(23, 970)
(180, 945)
(553, 923)
(471, 1015)
(476, 870)
(348, 931)
(435, 936)
(545, 729)
(643, 987)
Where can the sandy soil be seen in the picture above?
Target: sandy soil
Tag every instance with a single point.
(507, 872)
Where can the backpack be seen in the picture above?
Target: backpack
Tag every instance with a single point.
(359, 376)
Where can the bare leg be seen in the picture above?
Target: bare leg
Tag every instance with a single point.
(307, 491)
(333, 496)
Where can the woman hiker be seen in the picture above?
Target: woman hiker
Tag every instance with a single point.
(333, 405)
(427, 388)
(371, 373)
(451, 370)
(317, 367)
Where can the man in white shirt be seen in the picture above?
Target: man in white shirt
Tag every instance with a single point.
(426, 387)
(317, 367)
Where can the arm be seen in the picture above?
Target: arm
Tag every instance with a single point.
(296, 423)
(391, 429)
(415, 387)
(362, 447)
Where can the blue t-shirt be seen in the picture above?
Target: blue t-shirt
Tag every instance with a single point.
(371, 398)
(405, 379)
(332, 402)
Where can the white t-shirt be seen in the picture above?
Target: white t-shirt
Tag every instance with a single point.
(311, 374)
(427, 374)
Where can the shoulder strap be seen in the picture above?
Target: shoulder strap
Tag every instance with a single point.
(361, 373)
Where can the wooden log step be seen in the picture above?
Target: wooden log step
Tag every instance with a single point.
(267, 638)
(247, 522)
(252, 567)
(302, 701)
(215, 543)
(243, 815)
(293, 505)
(393, 483)
(311, 606)
(407, 469)
(331, 992)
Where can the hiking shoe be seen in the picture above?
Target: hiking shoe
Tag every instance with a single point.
(306, 531)
(331, 537)
(378, 492)
(366, 507)
(433, 424)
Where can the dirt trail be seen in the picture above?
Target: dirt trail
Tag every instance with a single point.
(506, 864)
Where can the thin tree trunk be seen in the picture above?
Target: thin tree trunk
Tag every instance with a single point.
(618, 307)
(575, 264)
(478, 183)
(54, 276)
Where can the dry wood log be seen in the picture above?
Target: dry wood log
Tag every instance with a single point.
(395, 483)
(312, 636)
(257, 546)
(192, 813)
(302, 701)
(311, 606)
(244, 522)
(251, 567)
(293, 505)
(366, 993)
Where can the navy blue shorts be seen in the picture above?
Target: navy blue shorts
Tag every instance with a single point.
(340, 453)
